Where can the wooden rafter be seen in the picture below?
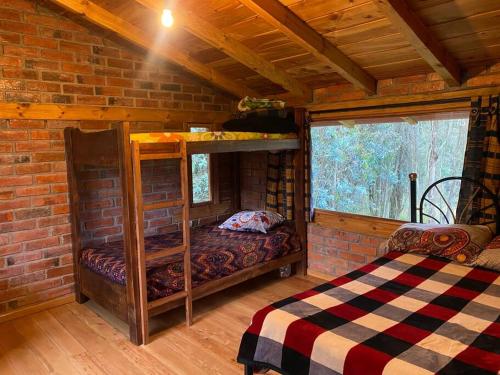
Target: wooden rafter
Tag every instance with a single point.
(126, 30)
(299, 31)
(232, 47)
(422, 39)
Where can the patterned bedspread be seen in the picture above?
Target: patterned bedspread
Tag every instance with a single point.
(215, 253)
(402, 314)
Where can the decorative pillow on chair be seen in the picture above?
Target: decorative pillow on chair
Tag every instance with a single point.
(458, 242)
(490, 257)
(252, 221)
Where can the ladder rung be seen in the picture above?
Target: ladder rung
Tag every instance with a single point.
(165, 300)
(167, 204)
(169, 155)
(165, 252)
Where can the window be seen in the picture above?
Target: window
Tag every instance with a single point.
(363, 168)
(200, 174)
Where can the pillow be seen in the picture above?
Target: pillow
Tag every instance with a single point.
(459, 242)
(490, 257)
(252, 221)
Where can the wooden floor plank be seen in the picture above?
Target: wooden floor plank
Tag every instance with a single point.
(85, 339)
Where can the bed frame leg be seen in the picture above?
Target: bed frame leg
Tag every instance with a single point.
(248, 370)
(80, 297)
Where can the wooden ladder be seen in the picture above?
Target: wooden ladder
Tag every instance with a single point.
(138, 154)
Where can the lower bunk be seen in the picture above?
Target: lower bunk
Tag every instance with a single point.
(220, 258)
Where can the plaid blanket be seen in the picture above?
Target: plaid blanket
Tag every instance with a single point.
(402, 314)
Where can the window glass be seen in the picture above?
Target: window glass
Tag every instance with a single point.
(363, 168)
(200, 172)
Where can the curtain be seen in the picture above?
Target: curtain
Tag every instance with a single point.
(281, 179)
(482, 158)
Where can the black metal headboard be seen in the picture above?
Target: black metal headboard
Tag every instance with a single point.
(477, 190)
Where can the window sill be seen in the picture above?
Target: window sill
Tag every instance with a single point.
(369, 225)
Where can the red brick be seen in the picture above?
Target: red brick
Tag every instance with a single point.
(16, 181)
(33, 168)
(60, 271)
(53, 220)
(13, 135)
(29, 235)
(16, 226)
(6, 217)
(44, 264)
(10, 249)
(18, 27)
(10, 61)
(41, 244)
(14, 204)
(11, 271)
(35, 41)
(27, 124)
(32, 190)
(50, 178)
(363, 249)
(48, 156)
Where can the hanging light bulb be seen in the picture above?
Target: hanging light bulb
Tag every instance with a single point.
(167, 18)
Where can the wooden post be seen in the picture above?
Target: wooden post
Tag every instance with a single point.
(413, 197)
(129, 235)
(299, 188)
(74, 201)
(186, 232)
(140, 271)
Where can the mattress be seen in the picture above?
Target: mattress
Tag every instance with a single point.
(401, 314)
(208, 136)
(215, 253)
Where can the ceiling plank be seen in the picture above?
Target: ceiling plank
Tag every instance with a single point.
(300, 32)
(422, 39)
(232, 47)
(125, 30)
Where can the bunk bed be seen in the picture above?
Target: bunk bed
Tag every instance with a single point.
(138, 277)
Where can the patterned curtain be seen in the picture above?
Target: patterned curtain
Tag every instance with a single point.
(482, 157)
(281, 178)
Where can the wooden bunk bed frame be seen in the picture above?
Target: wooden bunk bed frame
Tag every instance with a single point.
(113, 148)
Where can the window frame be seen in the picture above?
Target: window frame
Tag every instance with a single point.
(212, 178)
(338, 217)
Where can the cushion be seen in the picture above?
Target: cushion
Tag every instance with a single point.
(458, 242)
(252, 221)
(490, 257)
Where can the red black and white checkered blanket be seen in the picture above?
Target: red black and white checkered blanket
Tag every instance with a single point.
(402, 314)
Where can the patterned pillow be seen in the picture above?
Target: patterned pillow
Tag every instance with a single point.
(490, 257)
(252, 221)
(458, 242)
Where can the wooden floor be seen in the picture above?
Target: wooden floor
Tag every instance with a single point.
(75, 339)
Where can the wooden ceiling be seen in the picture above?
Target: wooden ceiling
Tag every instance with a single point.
(263, 47)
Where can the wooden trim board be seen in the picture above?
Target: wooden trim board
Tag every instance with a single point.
(37, 111)
(396, 100)
(32, 309)
(368, 225)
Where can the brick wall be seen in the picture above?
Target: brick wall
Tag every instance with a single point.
(334, 252)
(47, 58)
(253, 179)
(479, 76)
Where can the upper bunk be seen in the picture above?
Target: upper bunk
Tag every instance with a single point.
(219, 141)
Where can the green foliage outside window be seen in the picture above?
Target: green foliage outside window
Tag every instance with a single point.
(364, 169)
(200, 171)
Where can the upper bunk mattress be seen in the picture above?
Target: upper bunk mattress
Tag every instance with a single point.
(208, 136)
(401, 314)
(215, 253)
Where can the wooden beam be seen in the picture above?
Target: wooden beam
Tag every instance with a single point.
(35, 111)
(299, 31)
(232, 47)
(422, 39)
(127, 31)
(385, 101)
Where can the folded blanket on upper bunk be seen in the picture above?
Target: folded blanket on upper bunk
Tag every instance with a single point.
(401, 314)
(215, 253)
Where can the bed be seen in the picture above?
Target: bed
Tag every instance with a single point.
(215, 253)
(403, 313)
